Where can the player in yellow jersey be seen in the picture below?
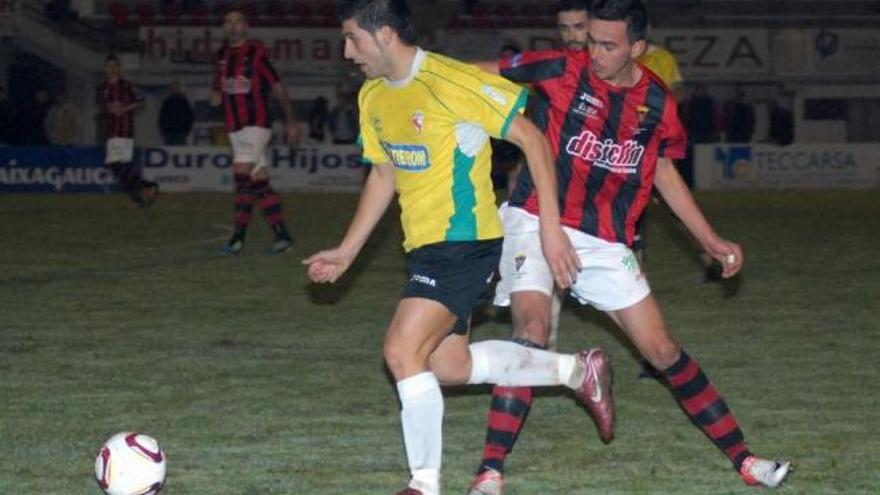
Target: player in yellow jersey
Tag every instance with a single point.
(662, 62)
(425, 125)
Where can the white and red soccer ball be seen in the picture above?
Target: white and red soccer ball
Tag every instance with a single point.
(130, 463)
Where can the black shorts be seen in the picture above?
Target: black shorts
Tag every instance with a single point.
(455, 274)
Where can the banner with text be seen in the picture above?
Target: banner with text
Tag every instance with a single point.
(800, 166)
(702, 53)
(177, 169)
(315, 54)
(300, 53)
(325, 168)
(54, 170)
(843, 51)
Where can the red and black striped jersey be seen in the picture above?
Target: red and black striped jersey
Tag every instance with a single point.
(245, 76)
(605, 140)
(123, 93)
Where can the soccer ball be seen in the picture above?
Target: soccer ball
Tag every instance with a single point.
(130, 463)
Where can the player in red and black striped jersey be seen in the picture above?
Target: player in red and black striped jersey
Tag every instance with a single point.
(243, 82)
(614, 131)
(120, 100)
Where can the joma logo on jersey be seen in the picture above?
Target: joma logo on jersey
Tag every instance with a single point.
(412, 157)
(592, 100)
(618, 158)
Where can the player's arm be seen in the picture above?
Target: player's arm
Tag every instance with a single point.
(560, 255)
(679, 198)
(216, 86)
(490, 66)
(216, 92)
(293, 127)
(328, 265)
(136, 104)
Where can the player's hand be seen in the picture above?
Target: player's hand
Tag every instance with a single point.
(325, 267)
(294, 132)
(216, 98)
(728, 253)
(560, 255)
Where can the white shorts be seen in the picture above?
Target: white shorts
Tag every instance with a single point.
(119, 150)
(610, 278)
(249, 145)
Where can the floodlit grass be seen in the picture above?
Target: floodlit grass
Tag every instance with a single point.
(255, 382)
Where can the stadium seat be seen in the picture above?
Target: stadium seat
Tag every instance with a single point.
(119, 14)
(482, 17)
(221, 7)
(327, 15)
(504, 9)
(301, 14)
(146, 13)
(198, 14)
(276, 13)
(505, 16)
(534, 15)
(171, 15)
(250, 9)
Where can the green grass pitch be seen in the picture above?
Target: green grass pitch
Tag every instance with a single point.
(256, 382)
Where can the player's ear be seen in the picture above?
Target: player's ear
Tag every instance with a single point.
(386, 34)
(638, 49)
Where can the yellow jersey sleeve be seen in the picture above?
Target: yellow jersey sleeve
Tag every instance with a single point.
(662, 62)
(369, 139)
(475, 96)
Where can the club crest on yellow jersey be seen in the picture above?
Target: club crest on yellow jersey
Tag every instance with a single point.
(418, 121)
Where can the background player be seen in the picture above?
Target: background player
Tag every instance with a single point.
(432, 146)
(243, 80)
(615, 143)
(121, 99)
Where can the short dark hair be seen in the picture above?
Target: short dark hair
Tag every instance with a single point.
(371, 15)
(569, 5)
(111, 57)
(512, 47)
(234, 9)
(632, 11)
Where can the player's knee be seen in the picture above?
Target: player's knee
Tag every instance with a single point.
(401, 360)
(664, 354)
(451, 371)
(242, 167)
(534, 328)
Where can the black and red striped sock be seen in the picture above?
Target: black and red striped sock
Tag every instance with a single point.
(702, 403)
(244, 202)
(129, 178)
(507, 416)
(510, 406)
(270, 204)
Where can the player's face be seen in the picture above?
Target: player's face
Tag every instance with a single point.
(111, 69)
(236, 27)
(365, 49)
(611, 53)
(573, 26)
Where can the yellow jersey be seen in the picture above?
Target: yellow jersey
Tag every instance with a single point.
(662, 62)
(433, 127)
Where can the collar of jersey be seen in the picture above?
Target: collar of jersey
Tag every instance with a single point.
(418, 60)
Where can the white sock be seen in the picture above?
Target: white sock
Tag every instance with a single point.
(421, 417)
(512, 365)
(426, 481)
